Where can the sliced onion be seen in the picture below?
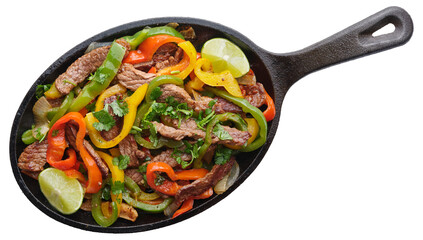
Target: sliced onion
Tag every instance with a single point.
(40, 110)
(171, 209)
(247, 79)
(95, 45)
(196, 95)
(228, 180)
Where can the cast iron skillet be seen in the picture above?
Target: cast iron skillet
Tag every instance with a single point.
(278, 72)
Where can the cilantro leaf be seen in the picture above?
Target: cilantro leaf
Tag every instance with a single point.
(121, 161)
(120, 108)
(41, 89)
(221, 133)
(222, 155)
(117, 187)
(155, 93)
(105, 120)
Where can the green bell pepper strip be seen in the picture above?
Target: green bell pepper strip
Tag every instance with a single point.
(96, 209)
(27, 137)
(133, 187)
(101, 79)
(145, 206)
(140, 36)
(234, 118)
(143, 109)
(63, 108)
(247, 108)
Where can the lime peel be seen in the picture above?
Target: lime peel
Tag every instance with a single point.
(64, 193)
(225, 55)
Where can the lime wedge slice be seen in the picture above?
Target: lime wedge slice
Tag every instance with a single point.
(225, 55)
(62, 192)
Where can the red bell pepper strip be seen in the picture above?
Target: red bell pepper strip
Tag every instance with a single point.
(171, 187)
(148, 47)
(270, 112)
(56, 149)
(94, 182)
(189, 203)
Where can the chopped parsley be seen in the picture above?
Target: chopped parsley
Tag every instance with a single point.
(171, 108)
(117, 187)
(159, 180)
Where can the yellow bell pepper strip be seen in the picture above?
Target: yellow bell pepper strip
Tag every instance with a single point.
(52, 93)
(253, 129)
(128, 121)
(117, 176)
(186, 65)
(223, 79)
(111, 91)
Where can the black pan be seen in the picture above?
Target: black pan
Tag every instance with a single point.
(278, 72)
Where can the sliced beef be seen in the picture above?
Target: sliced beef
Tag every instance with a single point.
(168, 54)
(116, 129)
(166, 157)
(70, 132)
(222, 106)
(135, 175)
(79, 70)
(34, 157)
(144, 66)
(255, 94)
(203, 184)
(188, 129)
(180, 95)
(178, 134)
(132, 78)
(128, 146)
(188, 32)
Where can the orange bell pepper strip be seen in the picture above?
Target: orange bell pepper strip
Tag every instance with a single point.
(94, 182)
(171, 187)
(73, 173)
(270, 112)
(186, 65)
(148, 47)
(56, 149)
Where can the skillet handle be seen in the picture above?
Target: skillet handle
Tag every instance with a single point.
(353, 42)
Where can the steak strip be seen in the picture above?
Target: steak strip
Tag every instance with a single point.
(79, 70)
(132, 78)
(201, 185)
(34, 157)
(182, 96)
(128, 146)
(188, 129)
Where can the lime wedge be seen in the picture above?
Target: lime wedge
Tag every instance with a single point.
(62, 192)
(225, 55)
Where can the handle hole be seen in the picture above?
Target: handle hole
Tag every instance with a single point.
(387, 29)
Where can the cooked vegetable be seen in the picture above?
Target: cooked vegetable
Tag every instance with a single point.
(222, 79)
(101, 78)
(247, 108)
(55, 150)
(133, 101)
(164, 124)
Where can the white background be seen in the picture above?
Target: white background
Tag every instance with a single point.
(346, 162)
